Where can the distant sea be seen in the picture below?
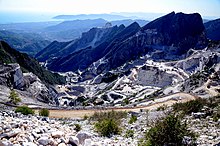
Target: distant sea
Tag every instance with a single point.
(13, 17)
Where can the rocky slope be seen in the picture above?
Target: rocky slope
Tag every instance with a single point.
(17, 129)
(32, 82)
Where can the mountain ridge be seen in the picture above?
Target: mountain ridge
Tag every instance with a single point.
(172, 35)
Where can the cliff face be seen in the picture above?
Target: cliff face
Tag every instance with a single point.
(12, 76)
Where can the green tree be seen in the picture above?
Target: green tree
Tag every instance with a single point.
(169, 131)
(14, 97)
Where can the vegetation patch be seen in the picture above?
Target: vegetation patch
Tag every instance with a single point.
(132, 119)
(169, 131)
(44, 112)
(129, 133)
(108, 123)
(190, 106)
(77, 127)
(25, 110)
(196, 105)
(13, 97)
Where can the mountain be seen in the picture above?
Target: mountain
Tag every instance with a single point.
(29, 43)
(28, 64)
(166, 38)
(83, 58)
(127, 22)
(213, 29)
(92, 38)
(69, 30)
(109, 17)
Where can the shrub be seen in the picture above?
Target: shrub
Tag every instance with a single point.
(162, 108)
(169, 131)
(85, 117)
(14, 97)
(44, 112)
(132, 119)
(99, 116)
(108, 127)
(77, 127)
(25, 110)
(190, 106)
(129, 133)
(108, 123)
(126, 101)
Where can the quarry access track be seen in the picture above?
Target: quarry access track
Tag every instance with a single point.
(148, 105)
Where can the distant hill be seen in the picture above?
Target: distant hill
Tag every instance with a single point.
(29, 43)
(109, 17)
(213, 29)
(28, 64)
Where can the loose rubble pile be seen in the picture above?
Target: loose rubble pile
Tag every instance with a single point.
(17, 129)
(208, 131)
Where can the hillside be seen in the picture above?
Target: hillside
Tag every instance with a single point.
(28, 64)
(213, 29)
(29, 43)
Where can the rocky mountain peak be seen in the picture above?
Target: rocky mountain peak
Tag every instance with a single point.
(177, 26)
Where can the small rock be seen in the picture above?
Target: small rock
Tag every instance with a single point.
(35, 135)
(62, 144)
(199, 115)
(57, 134)
(5, 143)
(87, 142)
(44, 141)
(30, 138)
(74, 141)
(28, 144)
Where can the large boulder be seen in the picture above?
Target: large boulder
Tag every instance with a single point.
(82, 135)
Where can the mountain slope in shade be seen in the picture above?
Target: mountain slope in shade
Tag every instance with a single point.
(28, 64)
(83, 58)
(213, 29)
(92, 38)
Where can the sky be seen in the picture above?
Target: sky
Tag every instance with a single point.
(56, 7)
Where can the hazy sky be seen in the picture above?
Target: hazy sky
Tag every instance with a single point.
(204, 7)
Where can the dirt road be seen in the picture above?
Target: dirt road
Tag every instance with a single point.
(168, 101)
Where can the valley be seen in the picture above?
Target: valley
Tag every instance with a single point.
(78, 69)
